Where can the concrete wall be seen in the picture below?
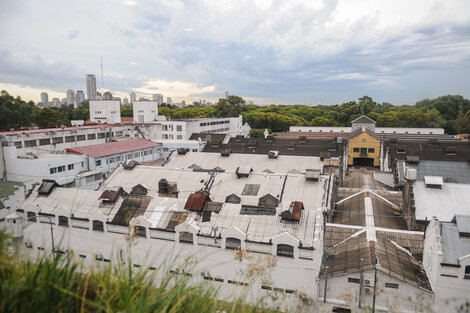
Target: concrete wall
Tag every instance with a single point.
(378, 130)
(344, 294)
(145, 111)
(105, 111)
(288, 282)
(451, 288)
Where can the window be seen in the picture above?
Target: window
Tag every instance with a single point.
(371, 150)
(61, 168)
(31, 216)
(119, 133)
(179, 128)
(98, 163)
(58, 140)
(63, 221)
(18, 144)
(117, 158)
(140, 231)
(391, 285)
(91, 136)
(186, 237)
(355, 149)
(101, 135)
(165, 127)
(233, 243)
(70, 167)
(43, 142)
(98, 226)
(69, 138)
(136, 154)
(285, 250)
(179, 137)
(30, 143)
(354, 280)
(165, 149)
(363, 151)
(467, 272)
(250, 190)
(81, 137)
(129, 156)
(53, 170)
(111, 160)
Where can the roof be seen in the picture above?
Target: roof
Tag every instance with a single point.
(433, 180)
(452, 199)
(458, 172)
(127, 119)
(363, 120)
(453, 245)
(259, 163)
(116, 147)
(203, 136)
(345, 257)
(313, 135)
(363, 130)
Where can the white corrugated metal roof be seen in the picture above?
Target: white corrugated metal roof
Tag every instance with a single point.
(433, 180)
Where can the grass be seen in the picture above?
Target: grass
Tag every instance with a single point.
(7, 188)
(63, 284)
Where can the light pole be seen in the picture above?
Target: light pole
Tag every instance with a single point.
(50, 223)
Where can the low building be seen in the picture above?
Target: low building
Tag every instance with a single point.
(364, 145)
(105, 157)
(240, 229)
(105, 111)
(447, 261)
(184, 128)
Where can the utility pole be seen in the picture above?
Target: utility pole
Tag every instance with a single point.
(326, 284)
(375, 285)
(361, 282)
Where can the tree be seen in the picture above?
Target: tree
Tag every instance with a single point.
(323, 121)
(462, 123)
(48, 117)
(255, 133)
(230, 107)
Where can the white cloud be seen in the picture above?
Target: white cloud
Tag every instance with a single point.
(174, 89)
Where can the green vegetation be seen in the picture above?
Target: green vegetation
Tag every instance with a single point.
(451, 112)
(63, 284)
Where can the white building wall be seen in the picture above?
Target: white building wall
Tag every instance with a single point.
(378, 130)
(451, 288)
(36, 169)
(183, 129)
(406, 298)
(105, 111)
(173, 145)
(290, 279)
(145, 111)
(109, 162)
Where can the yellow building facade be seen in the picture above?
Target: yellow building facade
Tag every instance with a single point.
(364, 148)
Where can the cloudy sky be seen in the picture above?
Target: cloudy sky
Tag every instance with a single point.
(291, 51)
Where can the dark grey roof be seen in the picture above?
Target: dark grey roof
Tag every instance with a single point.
(203, 136)
(463, 223)
(304, 147)
(453, 246)
(363, 120)
(450, 171)
(436, 150)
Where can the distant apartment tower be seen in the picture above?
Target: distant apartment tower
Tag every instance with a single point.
(91, 87)
(133, 97)
(108, 96)
(168, 100)
(79, 98)
(44, 98)
(56, 102)
(158, 97)
(70, 95)
(145, 111)
(125, 101)
(227, 94)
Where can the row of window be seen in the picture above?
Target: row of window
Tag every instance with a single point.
(56, 140)
(128, 156)
(218, 130)
(179, 128)
(61, 168)
(368, 283)
(170, 136)
(214, 123)
(364, 150)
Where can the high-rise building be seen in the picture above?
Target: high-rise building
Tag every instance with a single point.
(133, 97)
(44, 98)
(227, 94)
(168, 100)
(125, 101)
(91, 86)
(56, 102)
(70, 97)
(79, 98)
(158, 97)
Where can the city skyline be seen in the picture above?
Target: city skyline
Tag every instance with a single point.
(331, 52)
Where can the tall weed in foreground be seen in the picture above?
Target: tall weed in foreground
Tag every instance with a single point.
(61, 283)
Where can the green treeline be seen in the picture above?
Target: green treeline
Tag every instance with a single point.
(450, 112)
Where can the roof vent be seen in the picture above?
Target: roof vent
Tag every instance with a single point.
(182, 151)
(166, 188)
(225, 152)
(273, 154)
(312, 174)
(111, 195)
(435, 182)
(412, 159)
(46, 187)
(239, 138)
(243, 171)
(130, 164)
(268, 201)
(251, 144)
(139, 190)
(410, 173)
(450, 150)
(294, 212)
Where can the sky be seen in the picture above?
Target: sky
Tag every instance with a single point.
(282, 52)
